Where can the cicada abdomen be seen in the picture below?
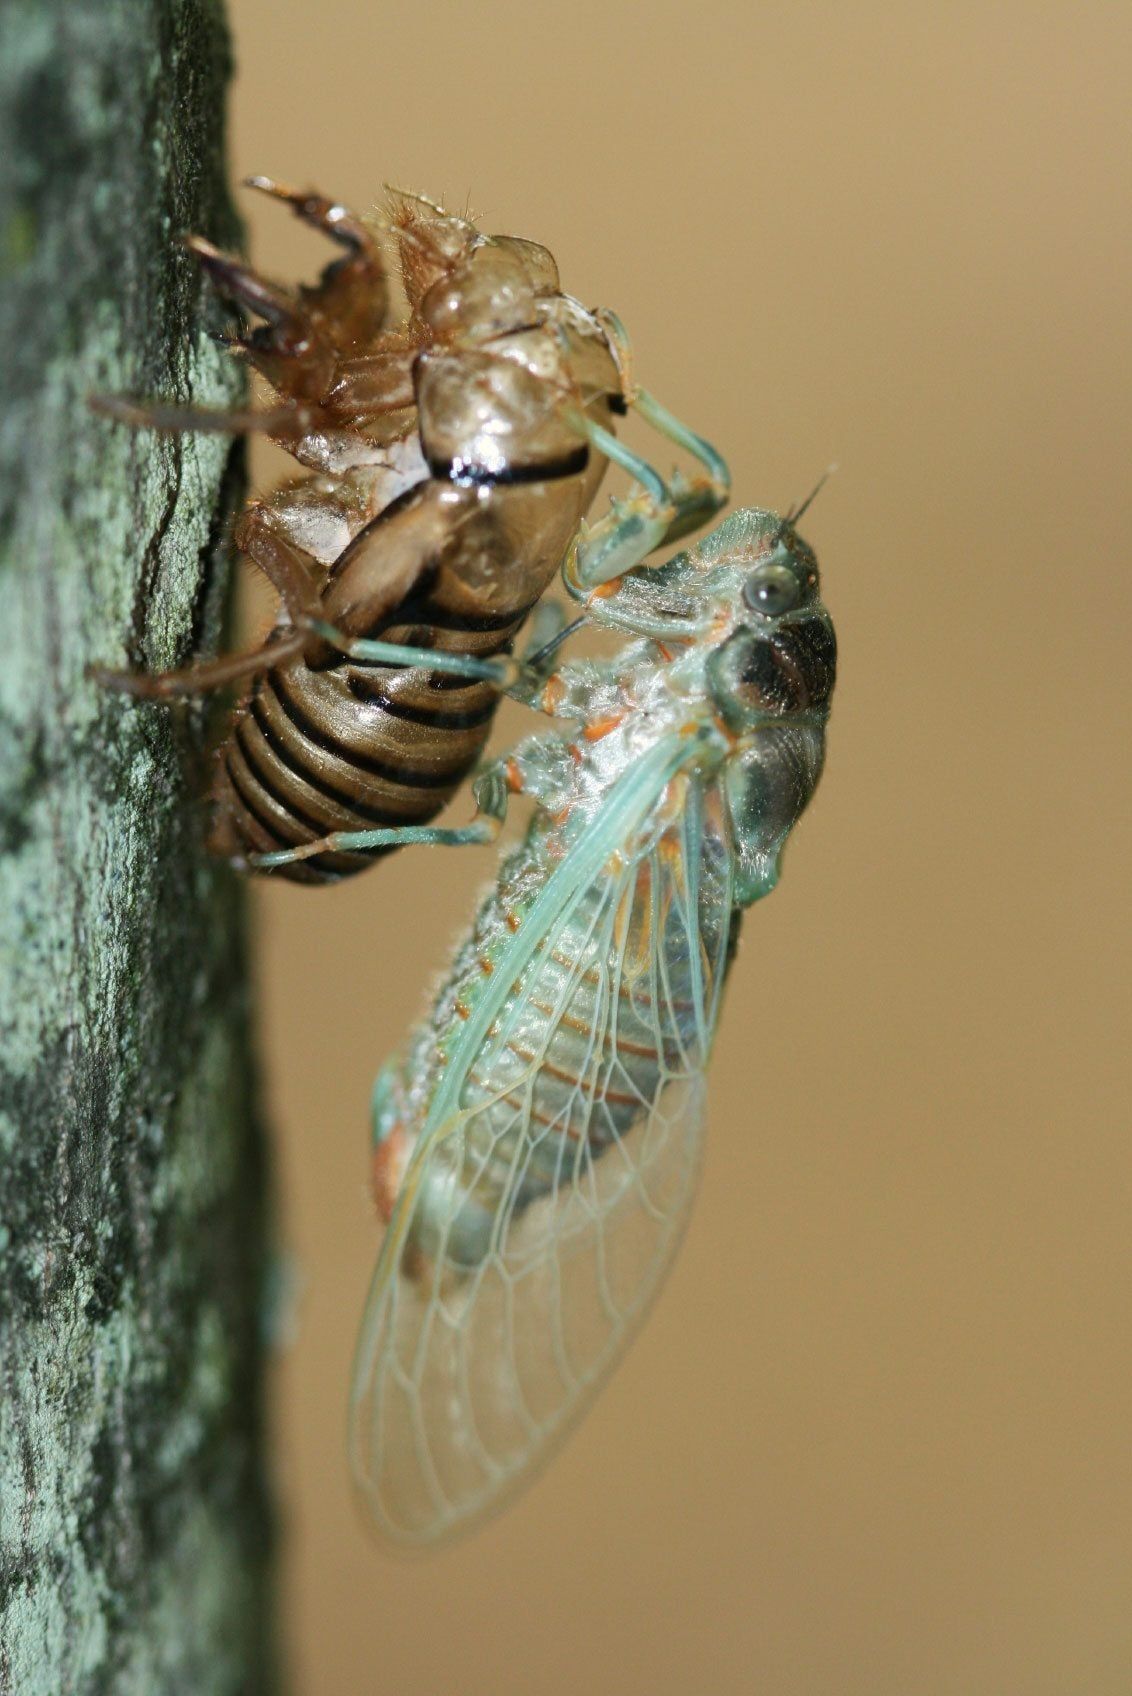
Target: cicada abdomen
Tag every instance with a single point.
(446, 477)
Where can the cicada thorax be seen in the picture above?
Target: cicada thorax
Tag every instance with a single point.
(446, 485)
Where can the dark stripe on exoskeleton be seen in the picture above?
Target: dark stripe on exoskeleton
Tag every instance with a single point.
(438, 720)
(409, 777)
(316, 826)
(317, 781)
(319, 864)
(250, 802)
(478, 476)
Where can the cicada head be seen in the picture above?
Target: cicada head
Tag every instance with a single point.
(780, 655)
(769, 680)
(431, 242)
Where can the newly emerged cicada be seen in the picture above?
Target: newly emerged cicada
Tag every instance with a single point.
(453, 441)
(537, 1146)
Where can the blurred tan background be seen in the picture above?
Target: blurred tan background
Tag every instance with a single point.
(876, 1438)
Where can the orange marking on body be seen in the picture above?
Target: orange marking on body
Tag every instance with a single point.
(523, 1106)
(664, 652)
(644, 1050)
(627, 991)
(485, 965)
(602, 727)
(390, 1158)
(605, 590)
(553, 691)
(514, 777)
(638, 932)
(461, 1011)
(510, 919)
(547, 1119)
(570, 1077)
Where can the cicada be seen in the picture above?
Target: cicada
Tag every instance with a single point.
(448, 471)
(536, 1148)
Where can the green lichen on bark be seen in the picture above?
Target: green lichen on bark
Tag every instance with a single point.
(134, 1531)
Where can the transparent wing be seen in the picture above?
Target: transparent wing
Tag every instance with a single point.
(533, 1233)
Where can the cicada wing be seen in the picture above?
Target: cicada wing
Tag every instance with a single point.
(473, 1365)
(474, 1382)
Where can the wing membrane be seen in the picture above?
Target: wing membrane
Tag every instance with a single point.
(543, 1209)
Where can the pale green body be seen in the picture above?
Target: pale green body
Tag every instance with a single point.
(551, 1104)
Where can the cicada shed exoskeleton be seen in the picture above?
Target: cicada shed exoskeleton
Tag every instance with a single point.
(450, 458)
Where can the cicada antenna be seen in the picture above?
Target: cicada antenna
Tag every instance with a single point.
(791, 518)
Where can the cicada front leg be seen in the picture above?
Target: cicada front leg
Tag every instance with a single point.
(288, 335)
(698, 498)
(350, 301)
(695, 499)
(658, 512)
(634, 527)
(304, 336)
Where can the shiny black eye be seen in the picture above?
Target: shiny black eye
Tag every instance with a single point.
(772, 590)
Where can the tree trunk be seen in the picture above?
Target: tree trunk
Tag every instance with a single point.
(134, 1529)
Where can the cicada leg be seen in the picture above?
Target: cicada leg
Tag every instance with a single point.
(631, 530)
(698, 498)
(492, 789)
(503, 672)
(321, 213)
(292, 572)
(289, 326)
(549, 629)
(200, 679)
(281, 422)
(389, 836)
(660, 512)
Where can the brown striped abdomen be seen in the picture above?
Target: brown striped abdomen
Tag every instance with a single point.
(311, 752)
(351, 745)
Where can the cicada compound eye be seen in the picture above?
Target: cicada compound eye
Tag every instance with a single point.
(773, 590)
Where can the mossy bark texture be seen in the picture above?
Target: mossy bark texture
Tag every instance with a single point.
(133, 1517)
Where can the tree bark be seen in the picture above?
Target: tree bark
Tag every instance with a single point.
(134, 1526)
